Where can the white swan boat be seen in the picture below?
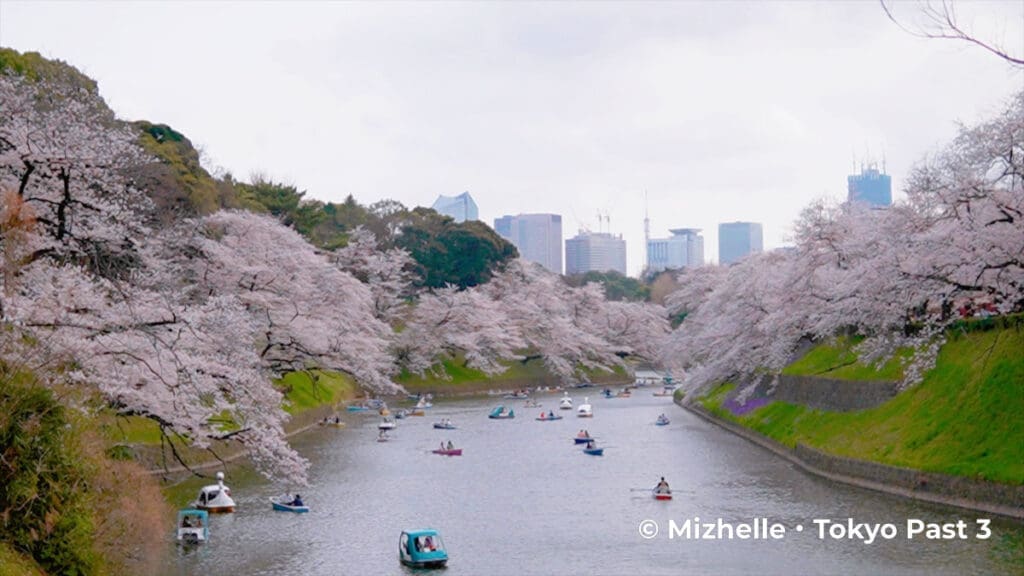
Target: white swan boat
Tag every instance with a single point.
(215, 498)
(585, 411)
(565, 403)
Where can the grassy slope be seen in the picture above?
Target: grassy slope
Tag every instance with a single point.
(14, 564)
(837, 360)
(463, 378)
(303, 392)
(300, 394)
(964, 419)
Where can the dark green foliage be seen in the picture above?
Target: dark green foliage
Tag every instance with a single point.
(464, 254)
(43, 507)
(616, 286)
(178, 183)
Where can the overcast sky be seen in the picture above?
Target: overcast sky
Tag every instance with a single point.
(718, 111)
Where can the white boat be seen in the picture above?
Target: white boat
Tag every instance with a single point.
(585, 411)
(565, 403)
(215, 498)
(386, 424)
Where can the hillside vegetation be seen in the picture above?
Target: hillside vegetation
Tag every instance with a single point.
(963, 419)
(838, 359)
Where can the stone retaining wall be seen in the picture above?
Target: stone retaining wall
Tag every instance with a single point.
(969, 493)
(832, 394)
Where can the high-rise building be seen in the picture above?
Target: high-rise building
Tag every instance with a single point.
(738, 239)
(684, 249)
(461, 207)
(599, 252)
(538, 237)
(870, 186)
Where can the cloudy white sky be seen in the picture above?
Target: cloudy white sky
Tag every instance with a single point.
(717, 111)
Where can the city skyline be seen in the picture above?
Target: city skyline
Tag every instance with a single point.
(650, 99)
(538, 237)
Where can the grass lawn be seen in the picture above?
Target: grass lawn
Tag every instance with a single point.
(518, 374)
(966, 418)
(836, 359)
(305, 390)
(14, 564)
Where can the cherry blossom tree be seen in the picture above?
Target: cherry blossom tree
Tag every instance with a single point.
(453, 322)
(91, 297)
(308, 313)
(891, 275)
(568, 327)
(386, 272)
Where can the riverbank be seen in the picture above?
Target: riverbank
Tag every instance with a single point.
(957, 438)
(311, 397)
(459, 380)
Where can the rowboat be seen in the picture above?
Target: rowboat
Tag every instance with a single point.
(661, 421)
(444, 426)
(547, 418)
(662, 494)
(582, 440)
(594, 451)
(357, 408)
(285, 507)
(517, 395)
(447, 452)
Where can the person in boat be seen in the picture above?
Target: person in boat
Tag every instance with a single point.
(337, 420)
(551, 414)
(296, 502)
(442, 445)
(450, 445)
(662, 487)
(590, 444)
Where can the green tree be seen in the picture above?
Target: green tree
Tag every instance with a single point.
(464, 254)
(616, 286)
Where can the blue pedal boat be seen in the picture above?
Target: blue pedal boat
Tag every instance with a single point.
(499, 413)
(422, 549)
(594, 451)
(193, 526)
